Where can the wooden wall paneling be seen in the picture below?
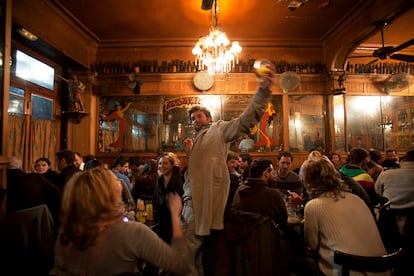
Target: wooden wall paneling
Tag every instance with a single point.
(132, 52)
(285, 104)
(67, 34)
(181, 84)
(82, 133)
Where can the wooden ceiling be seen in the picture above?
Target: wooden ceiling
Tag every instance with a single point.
(251, 22)
(184, 19)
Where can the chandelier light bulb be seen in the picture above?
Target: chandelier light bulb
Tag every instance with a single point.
(197, 50)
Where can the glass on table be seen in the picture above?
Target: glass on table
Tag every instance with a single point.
(294, 207)
(141, 211)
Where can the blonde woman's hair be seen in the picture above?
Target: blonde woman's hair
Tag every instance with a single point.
(90, 203)
(312, 154)
(172, 157)
(321, 177)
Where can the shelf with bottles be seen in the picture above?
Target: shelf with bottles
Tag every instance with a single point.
(187, 66)
(385, 68)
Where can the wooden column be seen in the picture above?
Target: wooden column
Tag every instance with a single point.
(5, 47)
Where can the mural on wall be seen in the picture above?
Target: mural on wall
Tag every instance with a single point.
(266, 139)
(129, 124)
(119, 115)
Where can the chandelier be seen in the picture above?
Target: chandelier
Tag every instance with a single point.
(213, 51)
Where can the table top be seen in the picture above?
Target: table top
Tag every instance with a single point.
(151, 223)
(294, 219)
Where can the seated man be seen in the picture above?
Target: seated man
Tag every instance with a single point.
(253, 223)
(245, 160)
(284, 178)
(119, 168)
(26, 190)
(66, 167)
(358, 158)
(32, 205)
(397, 186)
(391, 162)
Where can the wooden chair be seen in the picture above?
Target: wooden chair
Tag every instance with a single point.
(387, 226)
(368, 264)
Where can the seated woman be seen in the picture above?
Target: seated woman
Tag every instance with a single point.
(42, 166)
(95, 240)
(336, 160)
(169, 181)
(336, 219)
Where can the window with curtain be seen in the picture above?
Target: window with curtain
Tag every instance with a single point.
(32, 129)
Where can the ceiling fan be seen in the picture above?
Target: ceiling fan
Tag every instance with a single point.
(388, 51)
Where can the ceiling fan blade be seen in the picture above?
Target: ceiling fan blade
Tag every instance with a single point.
(361, 56)
(402, 46)
(383, 52)
(402, 57)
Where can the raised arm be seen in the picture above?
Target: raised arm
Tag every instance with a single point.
(175, 205)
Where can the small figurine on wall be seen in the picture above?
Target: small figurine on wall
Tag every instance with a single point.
(118, 114)
(75, 89)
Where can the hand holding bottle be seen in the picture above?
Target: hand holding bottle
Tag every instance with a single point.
(265, 71)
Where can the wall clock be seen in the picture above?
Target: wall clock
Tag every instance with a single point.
(203, 81)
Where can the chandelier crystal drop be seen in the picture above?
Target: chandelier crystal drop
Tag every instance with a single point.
(213, 51)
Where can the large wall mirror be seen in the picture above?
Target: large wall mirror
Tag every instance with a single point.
(306, 122)
(374, 122)
(161, 123)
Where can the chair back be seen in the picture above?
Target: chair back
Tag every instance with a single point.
(30, 238)
(368, 264)
(383, 202)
